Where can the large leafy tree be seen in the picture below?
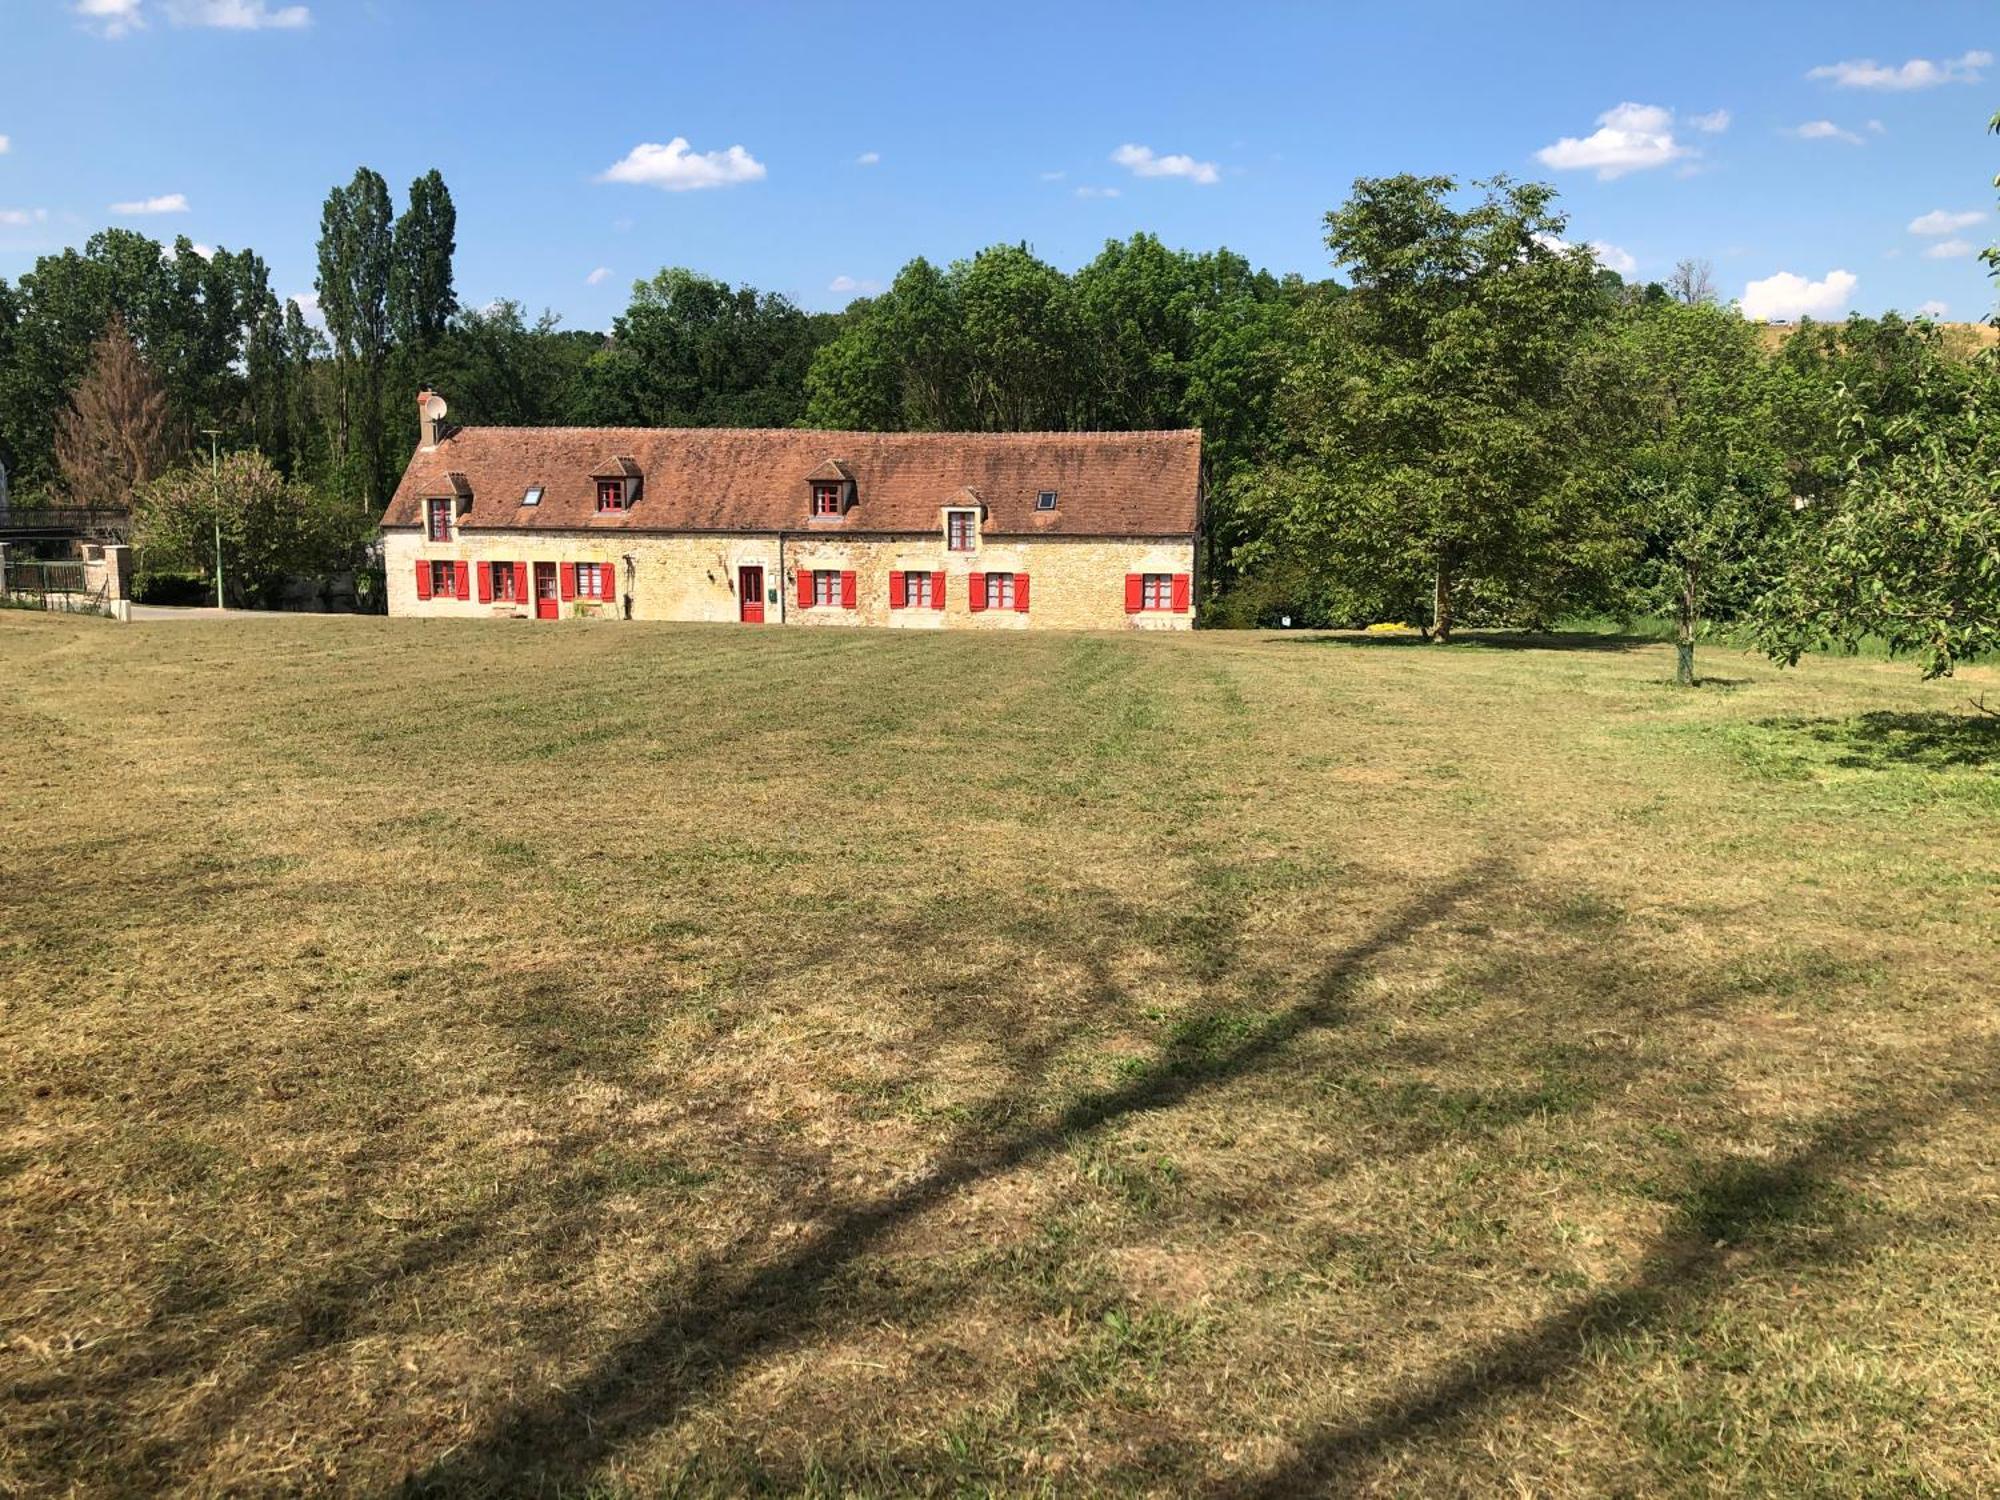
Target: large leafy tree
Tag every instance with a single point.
(691, 351)
(1702, 483)
(1907, 548)
(1434, 415)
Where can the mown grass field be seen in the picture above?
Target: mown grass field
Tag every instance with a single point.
(618, 1059)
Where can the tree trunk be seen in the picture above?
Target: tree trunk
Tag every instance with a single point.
(1441, 609)
(1684, 634)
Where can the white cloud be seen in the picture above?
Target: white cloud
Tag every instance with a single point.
(1787, 296)
(1944, 221)
(1097, 192)
(111, 18)
(1917, 73)
(1713, 123)
(206, 252)
(238, 15)
(675, 169)
(1614, 258)
(854, 286)
(1934, 310)
(166, 203)
(1949, 250)
(868, 158)
(598, 276)
(1144, 163)
(1824, 130)
(1876, 127)
(1054, 176)
(5, 145)
(309, 308)
(21, 218)
(1609, 256)
(1629, 138)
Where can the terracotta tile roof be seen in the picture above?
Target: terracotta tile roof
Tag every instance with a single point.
(737, 479)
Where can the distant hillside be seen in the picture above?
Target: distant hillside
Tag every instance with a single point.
(1962, 338)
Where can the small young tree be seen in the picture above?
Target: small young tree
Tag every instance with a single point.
(113, 437)
(270, 526)
(1703, 483)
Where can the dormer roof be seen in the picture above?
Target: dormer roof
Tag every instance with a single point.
(724, 480)
(831, 470)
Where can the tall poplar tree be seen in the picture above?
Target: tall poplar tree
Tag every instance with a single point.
(421, 299)
(356, 262)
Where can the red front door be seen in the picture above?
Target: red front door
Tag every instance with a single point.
(548, 605)
(750, 595)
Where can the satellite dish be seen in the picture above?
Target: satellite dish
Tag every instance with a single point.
(434, 408)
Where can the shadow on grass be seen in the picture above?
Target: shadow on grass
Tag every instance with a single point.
(720, 1318)
(1738, 1219)
(1883, 741)
(1492, 640)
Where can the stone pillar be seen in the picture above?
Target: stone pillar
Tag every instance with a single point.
(118, 581)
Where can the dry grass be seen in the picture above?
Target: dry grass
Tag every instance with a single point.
(457, 1059)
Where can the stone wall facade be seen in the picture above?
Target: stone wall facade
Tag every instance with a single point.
(1075, 583)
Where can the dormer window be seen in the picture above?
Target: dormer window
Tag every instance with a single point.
(610, 495)
(438, 519)
(826, 498)
(961, 530)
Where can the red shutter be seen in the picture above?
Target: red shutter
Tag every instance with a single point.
(937, 591)
(569, 580)
(975, 591)
(805, 589)
(1135, 593)
(423, 579)
(461, 577)
(1183, 592)
(847, 591)
(898, 592)
(485, 571)
(520, 582)
(1021, 592)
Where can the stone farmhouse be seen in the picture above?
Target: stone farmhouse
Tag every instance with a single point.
(997, 531)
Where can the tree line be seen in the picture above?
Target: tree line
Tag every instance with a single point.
(1469, 423)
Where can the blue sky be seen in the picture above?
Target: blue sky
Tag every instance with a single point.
(1795, 145)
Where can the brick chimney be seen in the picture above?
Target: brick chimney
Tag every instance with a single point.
(430, 413)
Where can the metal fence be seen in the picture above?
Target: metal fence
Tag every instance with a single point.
(52, 585)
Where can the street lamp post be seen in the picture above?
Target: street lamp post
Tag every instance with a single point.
(215, 499)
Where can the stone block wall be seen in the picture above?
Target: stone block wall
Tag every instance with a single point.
(1076, 583)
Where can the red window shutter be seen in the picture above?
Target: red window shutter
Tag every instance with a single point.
(569, 580)
(520, 582)
(805, 589)
(937, 591)
(898, 591)
(461, 579)
(423, 579)
(975, 590)
(1021, 593)
(847, 591)
(1135, 593)
(1183, 592)
(485, 581)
